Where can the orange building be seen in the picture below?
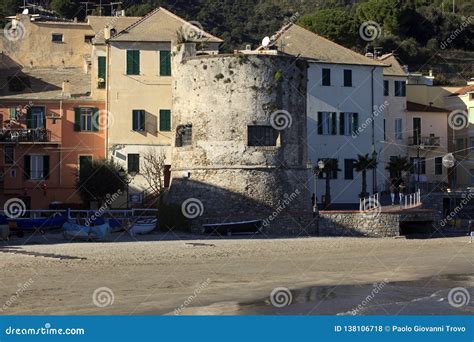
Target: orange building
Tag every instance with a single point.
(50, 124)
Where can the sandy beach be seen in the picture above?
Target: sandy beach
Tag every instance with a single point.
(161, 273)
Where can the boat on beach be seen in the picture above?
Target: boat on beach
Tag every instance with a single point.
(142, 227)
(77, 231)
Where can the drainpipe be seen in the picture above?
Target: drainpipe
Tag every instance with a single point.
(374, 171)
(107, 87)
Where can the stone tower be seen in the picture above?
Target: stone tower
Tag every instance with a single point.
(239, 124)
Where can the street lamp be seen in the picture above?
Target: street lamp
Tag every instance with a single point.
(421, 146)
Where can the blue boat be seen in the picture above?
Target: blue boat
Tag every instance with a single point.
(76, 231)
(37, 224)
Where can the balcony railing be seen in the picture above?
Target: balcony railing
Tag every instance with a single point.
(16, 135)
(427, 141)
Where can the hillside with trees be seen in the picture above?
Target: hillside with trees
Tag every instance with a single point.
(416, 30)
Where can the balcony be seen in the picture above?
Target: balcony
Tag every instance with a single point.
(430, 141)
(25, 135)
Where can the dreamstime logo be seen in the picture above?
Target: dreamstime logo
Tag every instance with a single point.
(191, 298)
(192, 208)
(193, 31)
(448, 160)
(14, 31)
(281, 119)
(14, 208)
(377, 287)
(458, 120)
(458, 296)
(282, 204)
(370, 30)
(377, 111)
(371, 208)
(103, 119)
(102, 297)
(444, 44)
(457, 209)
(20, 290)
(281, 297)
(108, 202)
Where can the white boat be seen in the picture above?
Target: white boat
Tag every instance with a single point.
(77, 231)
(142, 227)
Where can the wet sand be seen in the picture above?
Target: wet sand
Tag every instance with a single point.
(162, 273)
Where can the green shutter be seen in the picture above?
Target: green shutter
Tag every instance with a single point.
(45, 167)
(142, 120)
(133, 62)
(165, 120)
(77, 119)
(27, 167)
(101, 67)
(333, 124)
(341, 123)
(165, 63)
(320, 123)
(355, 123)
(29, 118)
(95, 120)
(12, 113)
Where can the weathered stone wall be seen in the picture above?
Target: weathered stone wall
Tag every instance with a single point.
(220, 96)
(358, 224)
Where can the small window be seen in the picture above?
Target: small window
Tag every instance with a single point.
(400, 88)
(184, 135)
(57, 37)
(165, 63)
(138, 120)
(133, 163)
(36, 167)
(386, 88)
(133, 62)
(398, 129)
(347, 78)
(9, 155)
(327, 123)
(35, 118)
(348, 168)
(326, 81)
(262, 136)
(418, 166)
(86, 119)
(101, 71)
(438, 166)
(348, 123)
(88, 39)
(165, 120)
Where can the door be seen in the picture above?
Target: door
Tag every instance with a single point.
(416, 131)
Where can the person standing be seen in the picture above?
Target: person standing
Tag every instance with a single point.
(392, 193)
(401, 191)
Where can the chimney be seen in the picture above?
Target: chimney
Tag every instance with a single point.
(66, 88)
(470, 82)
(106, 32)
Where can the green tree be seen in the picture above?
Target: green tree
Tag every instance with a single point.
(363, 164)
(66, 8)
(396, 166)
(99, 178)
(331, 166)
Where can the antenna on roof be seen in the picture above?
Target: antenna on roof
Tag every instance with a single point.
(112, 10)
(87, 6)
(266, 42)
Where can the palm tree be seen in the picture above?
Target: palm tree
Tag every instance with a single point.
(364, 163)
(396, 166)
(330, 166)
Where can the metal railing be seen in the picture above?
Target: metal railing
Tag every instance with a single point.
(369, 203)
(25, 135)
(427, 141)
(410, 200)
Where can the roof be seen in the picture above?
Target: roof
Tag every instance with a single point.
(395, 68)
(418, 107)
(118, 23)
(298, 41)
(160, 25)
(463, 91)
(43, 83)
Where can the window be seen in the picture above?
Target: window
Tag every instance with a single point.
(9, 155)
(36, 167)
(460, 145)
(400, 88)
(88, 39)
(418, 166)
(184, 135)
(138, 120)
(101, 70)
(165, 63)
(327, 123)
(165, 120)
(438, 166)
(35, 117)
(348, 123)
(262, 136)
(133, 163)
(14, 114)
(57, 37)
(326, 77)
(86, 119)
(347, 78)
(348, 168)
(84, 160)
(386, 88)
(133, 62)
(398, 129)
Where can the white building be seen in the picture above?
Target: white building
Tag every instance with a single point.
(345, 110)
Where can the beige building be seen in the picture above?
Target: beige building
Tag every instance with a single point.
(461, 102)
(138, 83)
